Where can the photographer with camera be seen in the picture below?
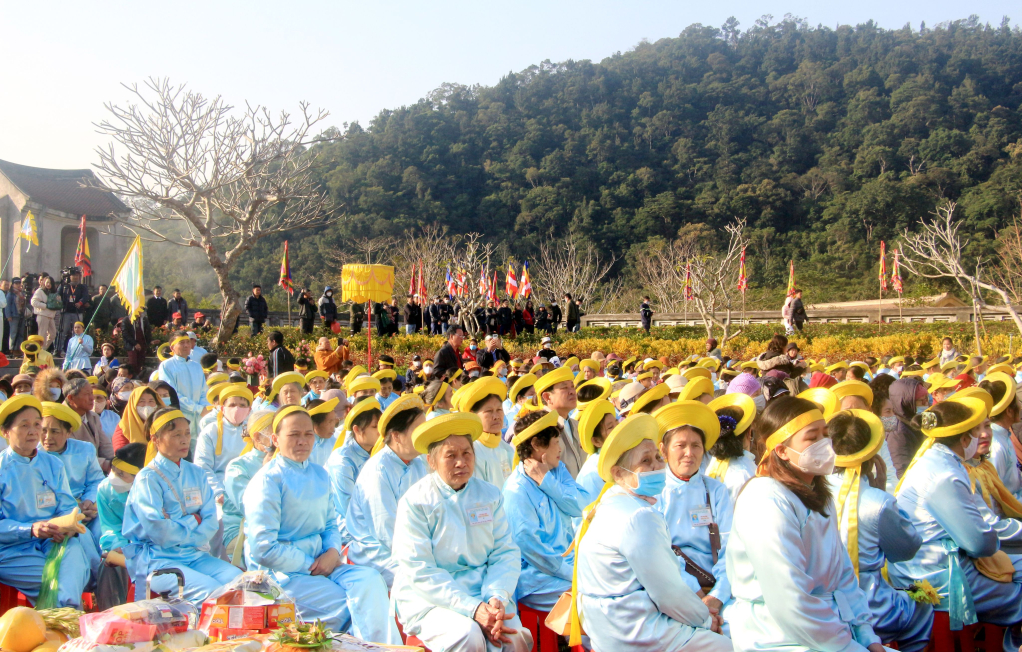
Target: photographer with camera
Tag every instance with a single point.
(75, 298)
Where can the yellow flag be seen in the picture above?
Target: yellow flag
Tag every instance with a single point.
(28, 230)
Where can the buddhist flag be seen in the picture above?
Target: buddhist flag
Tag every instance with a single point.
(82, 258)
(743, 280)
(688, 282)
(128, 280)
(511, 283)
(28, 231)
(526, 290)
(493, 288)
(883, 266)
(285, 271)
(896, 274)
(484, 286)
(452, 287)
(791, 277)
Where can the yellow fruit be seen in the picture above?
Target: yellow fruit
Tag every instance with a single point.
(22, 630)
(53, 641)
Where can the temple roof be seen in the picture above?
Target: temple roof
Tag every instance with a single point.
(62, 190)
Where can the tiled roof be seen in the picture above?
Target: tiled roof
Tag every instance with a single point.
(62, 190)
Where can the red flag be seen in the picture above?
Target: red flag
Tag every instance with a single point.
(412, 289)
(791, 277)
(452, 287)
(285, 271)
(422, 282)
(82, 258)
(493, 288)
(688, 282)
(883, 266)
(743, 280)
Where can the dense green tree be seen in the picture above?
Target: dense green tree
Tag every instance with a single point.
(825, 140)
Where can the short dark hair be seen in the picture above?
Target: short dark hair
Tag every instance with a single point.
(542, 438)
(256, 285)
(157, 287)
(453, 330)
(276, 337)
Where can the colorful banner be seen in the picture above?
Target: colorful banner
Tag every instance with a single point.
(28, 231)
(883, 266)
(511, 283)
(791, 277)
(689, 295)
(82, 258)
(128, 280)
(285, 271)
(896, 275)
(743, 280)
(526, 290)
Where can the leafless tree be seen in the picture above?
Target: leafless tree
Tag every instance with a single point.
(663, 266)
(575, 265)
(230, 178)
(935, 252)
(1008, 271)
(434, 247)
(471, 257)
(715, 281)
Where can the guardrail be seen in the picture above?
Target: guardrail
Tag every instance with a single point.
(923, 315)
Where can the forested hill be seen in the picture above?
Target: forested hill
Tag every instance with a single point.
(825, 140)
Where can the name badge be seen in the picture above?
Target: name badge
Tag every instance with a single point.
(45, 499)
(505, 468)
(700, 517)
(193, 498)
(479, 516)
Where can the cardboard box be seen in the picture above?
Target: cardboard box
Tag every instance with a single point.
(251, 619)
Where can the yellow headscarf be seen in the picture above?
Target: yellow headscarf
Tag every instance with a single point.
(848, 495)
(133, 426)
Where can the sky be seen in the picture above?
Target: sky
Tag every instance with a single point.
(64, 60)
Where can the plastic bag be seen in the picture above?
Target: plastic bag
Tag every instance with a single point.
(137, 622)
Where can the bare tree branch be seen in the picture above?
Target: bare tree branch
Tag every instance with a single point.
(576, 266)
(232, 179)
(935, 252)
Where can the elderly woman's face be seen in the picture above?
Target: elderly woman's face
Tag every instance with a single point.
(454, 461)
(290, 394)
(295, 437)
(683, 449)
(642, 459)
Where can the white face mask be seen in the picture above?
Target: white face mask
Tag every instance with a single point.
(55, 393)
(970, 450)
(119, 485)
(124, 395)
(99, 406)
(145, 411)
(818, 458)
(760, 402)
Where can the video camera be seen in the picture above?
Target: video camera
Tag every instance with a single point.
(67, 272)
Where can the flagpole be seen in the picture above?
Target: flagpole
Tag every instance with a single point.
(289, 307)
(880, 310)
(369, 335)
(9, 256)
(86, 330)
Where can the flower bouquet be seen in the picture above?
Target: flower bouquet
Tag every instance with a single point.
(254, 367)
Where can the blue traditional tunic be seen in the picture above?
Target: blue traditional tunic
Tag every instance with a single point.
(791, 578)
(79, 348)
(373, 509)
(454, 550)
(885, 533)
(385, 402)
(289, 523)
(239, 473)
(937, 497)
(322, 448)
(162, 531)
(493, 462)
(216, 465)
(631, 593)
(540, 517)
(739, 471)
(1002, 455)
(683, 504)
(36, 489)
(110, 503)
(109, 419)
(589, 482)
(189, 382)
(196, 354)
(83, 475)
(343, 466)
